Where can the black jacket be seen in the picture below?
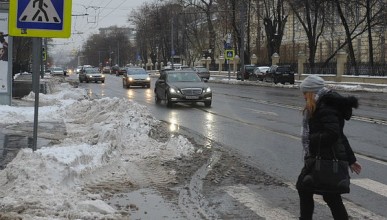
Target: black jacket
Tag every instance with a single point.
(326, 127)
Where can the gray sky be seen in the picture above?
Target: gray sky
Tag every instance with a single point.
(101, 13)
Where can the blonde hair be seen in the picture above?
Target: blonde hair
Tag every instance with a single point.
(310, 105)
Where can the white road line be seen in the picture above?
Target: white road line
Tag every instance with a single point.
(355, 211)
(251, 200)
(371, 159)
(371, 185)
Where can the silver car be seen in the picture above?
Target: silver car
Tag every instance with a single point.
(91, 75)
(135, 77)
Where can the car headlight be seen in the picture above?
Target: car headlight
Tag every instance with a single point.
(130, 79)
(103, 76)
(148, 79)
(207, 90)
(172, 90)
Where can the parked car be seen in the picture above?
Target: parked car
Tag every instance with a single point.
(259, 73)
(182, 86)
(57, 71)
(91, 74)
(203, 72)
(247, 71)
(280, 74)
(135, 76)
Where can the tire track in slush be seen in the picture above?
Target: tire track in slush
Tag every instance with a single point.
(191, 200)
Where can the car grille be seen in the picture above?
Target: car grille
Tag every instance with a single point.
(191, 91)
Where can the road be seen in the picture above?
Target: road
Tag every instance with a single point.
(261, 125)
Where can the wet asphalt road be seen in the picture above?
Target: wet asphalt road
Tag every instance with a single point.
(256, 130)
(262, 124)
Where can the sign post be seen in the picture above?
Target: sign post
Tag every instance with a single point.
(39, 19)
(229, 55)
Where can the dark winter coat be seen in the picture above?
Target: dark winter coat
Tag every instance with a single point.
(326, 127)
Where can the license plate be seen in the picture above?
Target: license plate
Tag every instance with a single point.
(192, 97)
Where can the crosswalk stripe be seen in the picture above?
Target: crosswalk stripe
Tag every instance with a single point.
(250, 199)
(355, 211)
(371, 185)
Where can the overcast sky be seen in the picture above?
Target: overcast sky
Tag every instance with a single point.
(101, 13)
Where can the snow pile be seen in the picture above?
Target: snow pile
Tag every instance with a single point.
(107, 143)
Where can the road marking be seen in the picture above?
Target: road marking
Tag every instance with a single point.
(355, 211)
(371, 159)
(251, 200)
(371, 185)
(262, 112)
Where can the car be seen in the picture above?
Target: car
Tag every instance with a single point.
(247, 71)
(115, 70)
(279, 74)
(121, 71)
(91, 74)
(57, 71)
(203, 72)
(135, 76)
(259, 73)
(106, 69)
(78, 69)
(176, 86)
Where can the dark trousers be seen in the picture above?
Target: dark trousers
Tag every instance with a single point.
(334, 202)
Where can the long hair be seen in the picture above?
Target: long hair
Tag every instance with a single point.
(310, 105)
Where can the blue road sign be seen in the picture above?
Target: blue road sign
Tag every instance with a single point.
(40, 18)
(40, 14)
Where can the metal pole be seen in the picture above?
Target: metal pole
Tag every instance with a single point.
(36, 63)
(243, 29)
(172, 47)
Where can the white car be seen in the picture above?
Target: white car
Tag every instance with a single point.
(57, 71)
(259, 73)
(135, 77)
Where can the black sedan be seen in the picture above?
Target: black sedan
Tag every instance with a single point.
(182, 86)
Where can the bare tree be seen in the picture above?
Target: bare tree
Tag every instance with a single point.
(274, 15)
(206, 7)
(312, 16)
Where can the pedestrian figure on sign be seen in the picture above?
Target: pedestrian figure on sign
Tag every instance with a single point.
(41, 9)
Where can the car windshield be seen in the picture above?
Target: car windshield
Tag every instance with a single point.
(136, 72)
(201, 69)
(249, 68)
(57, 69)
(283, 69)
(183, 77)
(91, 70)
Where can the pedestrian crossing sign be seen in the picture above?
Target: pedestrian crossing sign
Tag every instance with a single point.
(40, 18)
(229, 54)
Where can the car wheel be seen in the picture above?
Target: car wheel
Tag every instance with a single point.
(127, 86)
(207, 103)
(148, 86)
(87, 81)
(168, 100)
(81, 81)
(103, 81)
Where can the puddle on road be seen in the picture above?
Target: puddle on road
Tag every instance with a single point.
(144, 204)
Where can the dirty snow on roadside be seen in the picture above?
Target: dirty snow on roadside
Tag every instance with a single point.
(107, 143)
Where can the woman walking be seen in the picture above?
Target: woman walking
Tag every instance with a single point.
(324, 117)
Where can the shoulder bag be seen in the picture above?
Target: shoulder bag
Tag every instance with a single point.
(327, 175)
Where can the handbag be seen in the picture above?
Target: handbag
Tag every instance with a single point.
(326, 175)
